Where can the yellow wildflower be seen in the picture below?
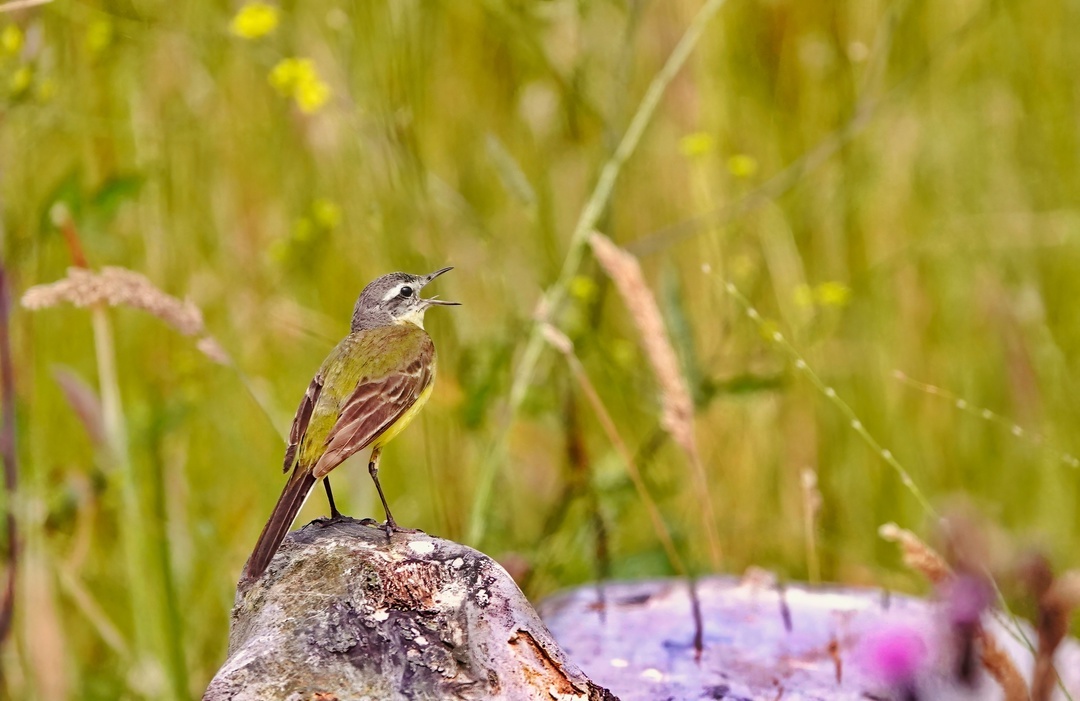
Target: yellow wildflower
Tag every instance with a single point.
(827, 294)
(11, 39)
(312, 94)
(298, 79)
(283, 76)
(696, 144)
(832, 294)
(583, 287)
(99, 35)
(742, 166)
(254, 20)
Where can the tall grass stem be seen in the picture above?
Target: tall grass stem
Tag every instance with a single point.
(149, 610)
(8, 454)
(553, 298)
(561, 343)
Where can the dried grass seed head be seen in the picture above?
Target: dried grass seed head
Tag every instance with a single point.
(120, 287)
(677, 415)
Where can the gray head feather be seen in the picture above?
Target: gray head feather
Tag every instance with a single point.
(394, 299)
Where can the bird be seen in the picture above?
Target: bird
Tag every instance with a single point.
(373, 383)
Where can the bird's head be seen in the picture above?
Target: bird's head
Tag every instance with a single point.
(395, 299)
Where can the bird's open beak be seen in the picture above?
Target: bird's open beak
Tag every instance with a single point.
(433, 300)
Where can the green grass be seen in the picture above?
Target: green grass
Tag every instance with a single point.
(923, 156)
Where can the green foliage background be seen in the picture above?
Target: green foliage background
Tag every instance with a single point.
(894, 185)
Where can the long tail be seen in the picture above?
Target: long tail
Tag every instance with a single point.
(288, 505)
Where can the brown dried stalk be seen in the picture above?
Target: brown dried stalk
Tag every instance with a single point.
(559, 341)
(812, 501)
(115, 287)
(917, 555)
(677, 417)
(1056, 599)
(923, 559)
(8, 454)
(1001, 667)
(678, 407)
(85, 402)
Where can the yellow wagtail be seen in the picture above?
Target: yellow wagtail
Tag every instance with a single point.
(368, 389)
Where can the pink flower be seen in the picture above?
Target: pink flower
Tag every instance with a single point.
(893, 654)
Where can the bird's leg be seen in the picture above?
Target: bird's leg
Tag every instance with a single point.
(373, 469)
(334, 513)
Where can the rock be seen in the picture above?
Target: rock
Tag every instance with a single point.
(762, 642)
(341, 613)
(344, 614)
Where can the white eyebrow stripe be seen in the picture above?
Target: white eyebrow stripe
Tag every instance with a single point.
(394, 292)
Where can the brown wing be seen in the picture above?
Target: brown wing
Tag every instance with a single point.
(373, 407)
(300, 421)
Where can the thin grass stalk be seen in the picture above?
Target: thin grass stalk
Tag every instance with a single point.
(811, 506)
(582, 472)
(132, 524)
(8, 453)
(1033, 438)
(677, 413)
(598, 201)
(149, 610)
(561, 343)
(158, 625)
(170, 625)
(555, 295)
(135, 540)
(831, 394)
(93, 612)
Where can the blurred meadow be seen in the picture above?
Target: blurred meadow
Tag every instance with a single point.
(832, 203)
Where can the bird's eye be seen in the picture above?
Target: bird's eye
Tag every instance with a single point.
(406, 291)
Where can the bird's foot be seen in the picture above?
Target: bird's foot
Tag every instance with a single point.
(391, 528)
(332, 518)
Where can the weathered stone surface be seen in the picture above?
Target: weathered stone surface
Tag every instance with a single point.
(764, 643)
(342, 613)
